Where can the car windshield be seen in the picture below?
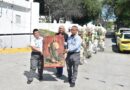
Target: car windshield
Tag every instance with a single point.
(121, 31)
(126, 36)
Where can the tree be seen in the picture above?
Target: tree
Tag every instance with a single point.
(64, 8)
(121, 10)
(93, 8)
(80, 11)
(91, 11)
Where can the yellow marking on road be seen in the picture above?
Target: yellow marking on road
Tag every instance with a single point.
(14, 50)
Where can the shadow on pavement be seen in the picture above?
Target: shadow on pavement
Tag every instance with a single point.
(54, 71)
(64, 78)
(46, 77)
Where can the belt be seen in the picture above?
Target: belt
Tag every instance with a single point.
(73, 52)
(36, 53)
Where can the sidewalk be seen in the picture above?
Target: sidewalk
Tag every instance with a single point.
(14, 50)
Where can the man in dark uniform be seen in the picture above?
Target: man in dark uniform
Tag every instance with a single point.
(36, 60)
(73, 55)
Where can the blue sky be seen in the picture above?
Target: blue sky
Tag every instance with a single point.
(105, 12)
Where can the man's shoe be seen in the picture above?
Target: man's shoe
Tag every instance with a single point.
(58, 75)
(72, 84)
(29, 81)
(70, 81)
(40, 78)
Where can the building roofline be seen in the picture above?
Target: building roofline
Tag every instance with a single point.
(14, 6)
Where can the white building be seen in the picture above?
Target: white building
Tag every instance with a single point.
(17, 20)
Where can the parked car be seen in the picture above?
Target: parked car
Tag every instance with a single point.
(121, 30)
(123, 41)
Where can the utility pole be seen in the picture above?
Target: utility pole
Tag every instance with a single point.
(31, 1)
(12, 23)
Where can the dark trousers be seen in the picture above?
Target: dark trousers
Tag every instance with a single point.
(59, 70)
(36, 61)
(72, 61)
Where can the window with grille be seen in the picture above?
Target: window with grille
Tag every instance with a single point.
(18, 19)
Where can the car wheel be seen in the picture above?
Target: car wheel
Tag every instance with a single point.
(119, 49)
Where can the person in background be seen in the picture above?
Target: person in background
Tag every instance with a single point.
(73, 55)
(82, 48)
(69, 32)
(36, 60)
(61, 32)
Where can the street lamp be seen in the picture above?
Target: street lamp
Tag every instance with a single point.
(12, 23)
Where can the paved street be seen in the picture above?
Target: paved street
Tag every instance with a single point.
(104, 71)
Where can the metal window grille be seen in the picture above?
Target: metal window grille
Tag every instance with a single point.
(18, 19)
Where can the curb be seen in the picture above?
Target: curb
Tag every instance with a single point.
(14, 50)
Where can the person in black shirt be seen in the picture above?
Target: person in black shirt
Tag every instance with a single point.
(61, 32)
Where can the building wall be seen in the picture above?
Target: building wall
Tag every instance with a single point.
(22, 3)
(55, 26)
(17, 20)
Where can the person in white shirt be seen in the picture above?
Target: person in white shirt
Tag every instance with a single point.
(36, 60)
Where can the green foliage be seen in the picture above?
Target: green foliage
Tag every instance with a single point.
(122, 12)
(80, 9)
(109, 24)
(64, 8)
(93, 8)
